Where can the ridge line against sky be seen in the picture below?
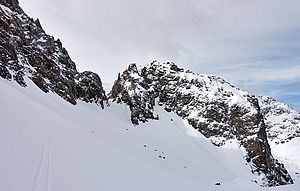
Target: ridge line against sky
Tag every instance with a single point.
(254, 44)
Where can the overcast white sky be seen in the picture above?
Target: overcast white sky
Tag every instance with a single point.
(254, 44)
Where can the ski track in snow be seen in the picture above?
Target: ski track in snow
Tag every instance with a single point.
(42, 179)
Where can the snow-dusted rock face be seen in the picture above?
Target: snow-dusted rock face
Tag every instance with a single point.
(282, 122)
(27, 51)
(210, 104)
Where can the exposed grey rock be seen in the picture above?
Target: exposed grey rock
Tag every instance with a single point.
(89, 88)
(26, 51)
(210, 104)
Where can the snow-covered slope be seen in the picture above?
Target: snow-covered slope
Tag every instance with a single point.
(49, 144)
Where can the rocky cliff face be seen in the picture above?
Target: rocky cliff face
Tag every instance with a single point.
(26, 51)
(211, 105)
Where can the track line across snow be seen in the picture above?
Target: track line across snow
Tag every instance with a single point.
(42, 179)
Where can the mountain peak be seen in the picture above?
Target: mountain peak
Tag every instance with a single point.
(211, 105)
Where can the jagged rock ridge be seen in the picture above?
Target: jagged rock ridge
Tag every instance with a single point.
(210, 104)
(27, 51)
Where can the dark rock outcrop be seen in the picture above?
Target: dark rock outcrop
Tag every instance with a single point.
(89, 88)
(210, 104)
(26, 51)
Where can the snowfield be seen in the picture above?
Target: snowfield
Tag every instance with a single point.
(47, 144)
